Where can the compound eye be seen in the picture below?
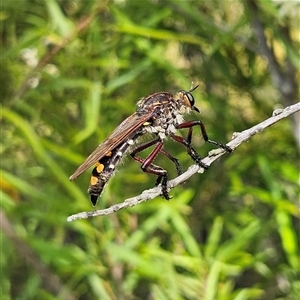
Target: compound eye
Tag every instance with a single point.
(190, 98)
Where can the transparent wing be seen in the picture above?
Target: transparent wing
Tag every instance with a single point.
(119, 135)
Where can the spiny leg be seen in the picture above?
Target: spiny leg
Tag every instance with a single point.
(191, 124)
(148, 167)
(190, 150)
(174, 160)
(187, 141)
(146, 145)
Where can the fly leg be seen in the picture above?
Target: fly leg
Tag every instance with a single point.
(190, 150)
(191, 124)
(167, 154)
(149, 167)
(187, 141)
(174, 160)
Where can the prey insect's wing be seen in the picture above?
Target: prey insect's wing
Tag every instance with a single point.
(123, 131)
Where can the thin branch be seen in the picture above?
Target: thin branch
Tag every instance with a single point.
(150, 194)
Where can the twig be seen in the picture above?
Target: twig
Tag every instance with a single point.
(150, 194)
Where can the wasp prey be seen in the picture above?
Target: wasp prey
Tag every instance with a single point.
(158, 115)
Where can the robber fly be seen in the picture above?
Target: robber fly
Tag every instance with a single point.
(160, 115)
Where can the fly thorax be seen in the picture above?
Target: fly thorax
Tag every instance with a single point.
(165, 121)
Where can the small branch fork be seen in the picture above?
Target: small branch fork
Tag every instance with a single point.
(238, 138)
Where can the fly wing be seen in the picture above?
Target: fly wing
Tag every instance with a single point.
(123, 131)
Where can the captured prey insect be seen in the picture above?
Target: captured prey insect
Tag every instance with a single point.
(160, 115)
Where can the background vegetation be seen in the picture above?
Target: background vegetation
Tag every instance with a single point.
(73, 70)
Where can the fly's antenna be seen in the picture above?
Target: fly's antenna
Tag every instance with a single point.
(193, 88)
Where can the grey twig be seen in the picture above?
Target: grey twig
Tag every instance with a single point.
(238, 138)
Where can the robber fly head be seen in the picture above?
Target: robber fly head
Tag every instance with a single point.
(187, 98)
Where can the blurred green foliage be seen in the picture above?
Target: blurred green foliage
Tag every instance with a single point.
(71, 71)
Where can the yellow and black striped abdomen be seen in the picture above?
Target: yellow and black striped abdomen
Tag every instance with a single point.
(105, 168)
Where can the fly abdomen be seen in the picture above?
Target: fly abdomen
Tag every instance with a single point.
(100, 175)
(105, 168)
